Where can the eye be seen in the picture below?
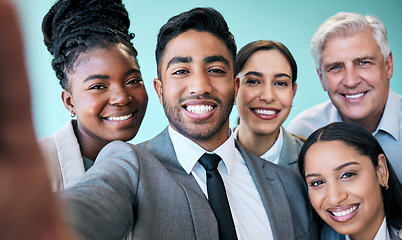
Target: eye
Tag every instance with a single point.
(334, 68)
(180, 72)
(363, 63)
(134, 81)
(216, 70)
(348, 175)
(316, 183)
(96, 87)
(252, 81)
(281, 84)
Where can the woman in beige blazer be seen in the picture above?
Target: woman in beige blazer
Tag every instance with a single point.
(102, 86)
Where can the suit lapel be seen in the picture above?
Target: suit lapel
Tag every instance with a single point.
(162, 148)
(290, 152)
(272, 194)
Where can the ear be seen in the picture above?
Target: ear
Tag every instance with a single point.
(68, 101)
(322, 80)
(389, 65)
(294, 89)
(382, 170)
(158, 88)
(237, 86)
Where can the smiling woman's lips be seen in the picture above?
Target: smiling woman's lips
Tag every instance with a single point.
(345, 214)
(120, 118)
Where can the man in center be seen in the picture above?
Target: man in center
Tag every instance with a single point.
(160, 188)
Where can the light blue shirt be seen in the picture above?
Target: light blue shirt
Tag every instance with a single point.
(388, 132)
(249, 216)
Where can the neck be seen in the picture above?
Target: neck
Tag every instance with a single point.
(257, 144)
(90, 145)
(369, 124)
(213, 142)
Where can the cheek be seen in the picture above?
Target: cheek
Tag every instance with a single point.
(316, 199)
(286, 98)
(332, 81)
(172, 91)
(245, 95)
(140, 95)
(91, 104)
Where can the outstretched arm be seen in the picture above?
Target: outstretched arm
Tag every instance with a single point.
(27, 206)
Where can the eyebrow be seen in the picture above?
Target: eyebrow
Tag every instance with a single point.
(336, 169)
(346, 165)
(258, 74)
(106, 77)
(216, 58)
(179, 60)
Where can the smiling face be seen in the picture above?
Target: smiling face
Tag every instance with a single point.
(107, 94)
(197, 88)
(344, 188)
(265, 94)
(356, 77)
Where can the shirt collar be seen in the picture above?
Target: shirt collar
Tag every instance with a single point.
(188, 152)
(382, 233)
(390, 119)
(273, 153)
(389, 122)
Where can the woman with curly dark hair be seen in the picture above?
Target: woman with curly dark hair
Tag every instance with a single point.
(102, 86)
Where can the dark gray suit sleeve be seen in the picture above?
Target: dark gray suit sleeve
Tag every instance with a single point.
(100, 203)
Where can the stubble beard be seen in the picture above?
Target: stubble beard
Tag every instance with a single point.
(197, 130)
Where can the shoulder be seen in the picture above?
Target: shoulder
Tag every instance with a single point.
(298, 140)
(120, 149)
(312, 118)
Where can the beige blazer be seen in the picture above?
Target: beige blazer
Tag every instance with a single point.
(63, 156)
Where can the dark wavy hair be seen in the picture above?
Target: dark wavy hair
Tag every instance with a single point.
(245, 52)
(364, 143)
(199, 19)
(72, 27)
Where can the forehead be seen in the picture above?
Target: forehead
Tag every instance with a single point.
(103, 60)
(359, 45)
(267, 60)
(328, 155)
(195, 45)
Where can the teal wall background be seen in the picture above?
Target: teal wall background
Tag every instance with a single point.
(291, 22)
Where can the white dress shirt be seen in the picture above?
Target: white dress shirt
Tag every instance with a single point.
(382, 233)
(249, 216)
(273, 154)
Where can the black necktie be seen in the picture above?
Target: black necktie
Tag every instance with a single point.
(217, 197)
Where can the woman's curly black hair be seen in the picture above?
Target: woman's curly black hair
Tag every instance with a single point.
(72, 27)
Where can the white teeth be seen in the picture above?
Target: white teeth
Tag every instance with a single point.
(265, 112)
(199, 108)
(343, 213)
(121, 118)
(354, 96)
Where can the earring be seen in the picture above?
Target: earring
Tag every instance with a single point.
(385, 185)
(72, 114)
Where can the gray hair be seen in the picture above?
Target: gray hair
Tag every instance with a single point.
(347, 24)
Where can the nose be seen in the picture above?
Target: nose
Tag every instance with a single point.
(335, 194)
(200, 83)
(120, 96)
(352, 77)
(267, 94)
